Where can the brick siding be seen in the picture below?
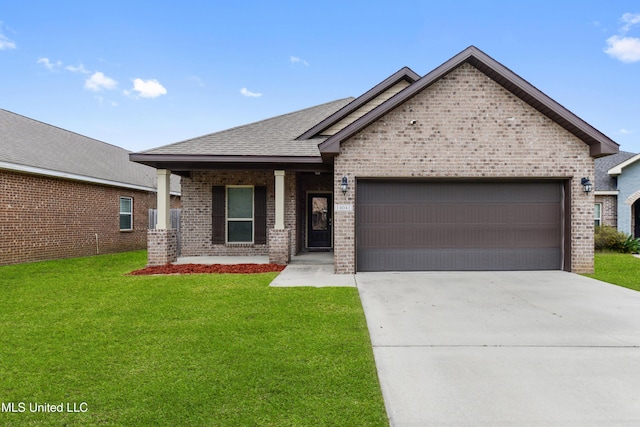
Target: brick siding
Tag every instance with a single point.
(196, 214)
(609, 210)
(45, 218)
(467, 126)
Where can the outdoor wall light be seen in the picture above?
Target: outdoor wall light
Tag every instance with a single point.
(344, 185)
(586, 185)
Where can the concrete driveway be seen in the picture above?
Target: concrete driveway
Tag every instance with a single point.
(504, 348)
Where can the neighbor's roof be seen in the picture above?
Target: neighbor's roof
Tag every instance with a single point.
(604, 181)
(27, 145)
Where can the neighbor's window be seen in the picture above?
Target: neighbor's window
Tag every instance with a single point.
(240, 214)
(126, 213)
(598, 214)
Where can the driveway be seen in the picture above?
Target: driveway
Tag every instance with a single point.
(504, 348)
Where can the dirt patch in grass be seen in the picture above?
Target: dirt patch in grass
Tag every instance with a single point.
(208, 269)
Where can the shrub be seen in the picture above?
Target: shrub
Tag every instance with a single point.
(608, 238)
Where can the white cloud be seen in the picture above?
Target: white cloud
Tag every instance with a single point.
(625, 131)
(147, 88)
(621, 47)
(5, 42)
(98, 81)
(48, 64)
(625, 49)
(629, 19)
(79, 69)
(246, 92)
(297, 60)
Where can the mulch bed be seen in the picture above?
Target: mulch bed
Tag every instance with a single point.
(208, 269)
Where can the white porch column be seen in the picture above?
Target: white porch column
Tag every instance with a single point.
(279, 200)
(164, 199)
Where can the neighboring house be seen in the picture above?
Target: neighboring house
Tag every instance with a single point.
(66, 195)
(617, 192)
(469, 167)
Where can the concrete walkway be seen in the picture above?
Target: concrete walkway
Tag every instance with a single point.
(313, 269)
(504, 348)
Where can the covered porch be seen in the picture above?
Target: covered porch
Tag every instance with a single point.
(286, 212)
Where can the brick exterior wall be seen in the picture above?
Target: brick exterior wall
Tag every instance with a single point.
(162, 247)
(609, 210)
(45, 218)
(279, 246)
(467, 126)
(196, 217)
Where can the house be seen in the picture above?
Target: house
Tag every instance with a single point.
(66, 195)
(617, 192)
(468, 167)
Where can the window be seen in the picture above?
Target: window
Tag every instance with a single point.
(126, 213)
(598, 214)
(240, 214)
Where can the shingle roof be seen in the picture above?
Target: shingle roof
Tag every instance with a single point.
(25, 142)
(604, 181)
(275, 136)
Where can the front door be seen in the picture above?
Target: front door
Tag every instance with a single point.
(319, 220)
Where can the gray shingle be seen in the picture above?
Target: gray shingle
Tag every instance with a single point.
(28, 142)
(271, 137)
(604, 181)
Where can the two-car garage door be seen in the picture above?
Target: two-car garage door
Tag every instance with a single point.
(423, 225)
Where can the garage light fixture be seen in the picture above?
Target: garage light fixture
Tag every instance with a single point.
(586, 185)
(344, 185)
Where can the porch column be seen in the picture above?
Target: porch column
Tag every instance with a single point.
(163, 199)
(162, 242)
(279, 237)
(279, 200)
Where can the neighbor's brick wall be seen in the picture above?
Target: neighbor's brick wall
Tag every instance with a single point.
(609, 210)
(45, 218)
(467, 126)
(196, 211)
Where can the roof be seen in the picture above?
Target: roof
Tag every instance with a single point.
(600, 144)
(604, 181)
(31, 146)
(313, 136)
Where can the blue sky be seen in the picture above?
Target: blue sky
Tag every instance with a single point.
(143, 74)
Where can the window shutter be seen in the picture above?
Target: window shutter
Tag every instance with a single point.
(260, 215)
(218, 215)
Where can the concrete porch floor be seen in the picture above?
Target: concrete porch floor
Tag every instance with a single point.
(303, 258)
(314, 269)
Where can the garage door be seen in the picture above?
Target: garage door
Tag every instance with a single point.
(417, 225)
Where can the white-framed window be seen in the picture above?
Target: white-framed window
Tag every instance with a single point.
(597, 214)
(240, 213)
(126, 213)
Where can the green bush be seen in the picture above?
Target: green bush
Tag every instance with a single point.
(608, 238)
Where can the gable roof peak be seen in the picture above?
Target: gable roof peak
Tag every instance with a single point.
(600, 144)
(405, 73)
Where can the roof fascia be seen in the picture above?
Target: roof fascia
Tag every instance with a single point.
(600, 144)
(404, 73)
(617, 170)
(195, 162)
(71, 176)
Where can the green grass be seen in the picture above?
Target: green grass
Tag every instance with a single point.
(619, 269)
(199, 350)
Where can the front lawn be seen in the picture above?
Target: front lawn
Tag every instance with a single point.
(619, 269)
(215, 350)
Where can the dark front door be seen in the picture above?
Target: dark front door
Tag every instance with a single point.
(319, 220)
